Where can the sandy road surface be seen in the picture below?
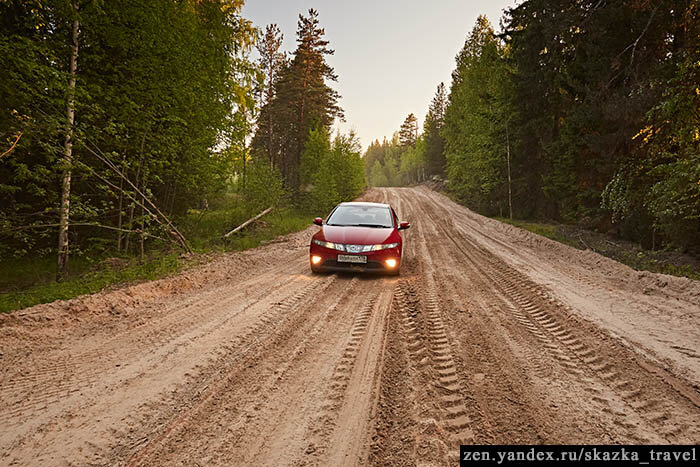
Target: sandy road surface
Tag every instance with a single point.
(490, 335)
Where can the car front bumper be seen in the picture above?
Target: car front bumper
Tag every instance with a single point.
(376, 260)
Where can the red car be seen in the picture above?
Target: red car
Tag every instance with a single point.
(358, 236)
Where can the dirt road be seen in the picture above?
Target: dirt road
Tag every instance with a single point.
(490, 335)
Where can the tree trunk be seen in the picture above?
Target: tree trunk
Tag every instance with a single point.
(132, 207)
(244, 158)
(269, 112)
(173, 195)
(143, 221)
(120, 218)
(297, 156)
(68, 157)
(269, 139)
(510, 193)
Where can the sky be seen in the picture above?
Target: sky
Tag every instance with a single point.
(390, 55)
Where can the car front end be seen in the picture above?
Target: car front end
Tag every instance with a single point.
(333, 256)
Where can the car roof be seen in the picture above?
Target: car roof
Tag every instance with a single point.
(364, 203)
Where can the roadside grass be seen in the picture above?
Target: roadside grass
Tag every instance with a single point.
(204, 230)
(88, 282)
(27, 282)
(550, 231)
(664, 261)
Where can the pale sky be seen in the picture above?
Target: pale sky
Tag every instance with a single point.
(390, 55)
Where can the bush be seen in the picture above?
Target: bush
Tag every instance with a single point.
(263, 187)
(335, 172)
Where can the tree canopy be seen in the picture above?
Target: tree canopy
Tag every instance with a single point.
(302, 100)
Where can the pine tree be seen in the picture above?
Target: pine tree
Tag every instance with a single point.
(272, 62)
(409, 131)
(475, 123)
(302, 97)
(434, 140)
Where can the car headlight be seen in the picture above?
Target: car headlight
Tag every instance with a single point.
(385, 246)
(331, 245)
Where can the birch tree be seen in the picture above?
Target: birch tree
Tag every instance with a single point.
(63, 247)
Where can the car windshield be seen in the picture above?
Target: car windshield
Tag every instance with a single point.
(361, 216)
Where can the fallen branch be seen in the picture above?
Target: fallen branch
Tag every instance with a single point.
(91, 224)
(584, 243)
(140, 204)
(12, 147)
(175, 232)
(249, 221)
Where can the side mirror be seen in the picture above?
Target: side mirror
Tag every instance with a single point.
(318, 221)
(404, 225)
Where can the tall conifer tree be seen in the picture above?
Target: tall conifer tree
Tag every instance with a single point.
(434, 141)
(303, 99)
(408, 134)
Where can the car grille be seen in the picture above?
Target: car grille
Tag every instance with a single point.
(370, 265)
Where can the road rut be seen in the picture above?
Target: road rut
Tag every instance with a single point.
(490, 335)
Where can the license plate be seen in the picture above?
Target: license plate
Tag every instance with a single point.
(352, 259)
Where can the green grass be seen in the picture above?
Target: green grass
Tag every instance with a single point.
(550, 231)
(27, 282)
(658, 261)
(653, 261)
(204, 229)
(23, 273)
(88, 282)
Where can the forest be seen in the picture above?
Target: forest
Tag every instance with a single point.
(581, 112)
(137, 131)
(132, 128)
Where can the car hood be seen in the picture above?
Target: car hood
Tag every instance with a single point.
(355, 235)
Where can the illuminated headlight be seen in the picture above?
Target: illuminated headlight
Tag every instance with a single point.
(331, 245)
(354, 248)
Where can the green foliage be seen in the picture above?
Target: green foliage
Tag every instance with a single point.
(409, 131)
(396, 163)
(26, 283)
(317, 146)
(550, 231)
(89, 282)
(586, 78)
(350, 167)
(335, 171)
(301, 100)
(159, 84)
(325, 193)
(660, 261)
(204, 228)
(165, 95)
(377, 177)
(670, 172)
(264, 187)
(596, 103)
(434, 140)
(476, 119)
